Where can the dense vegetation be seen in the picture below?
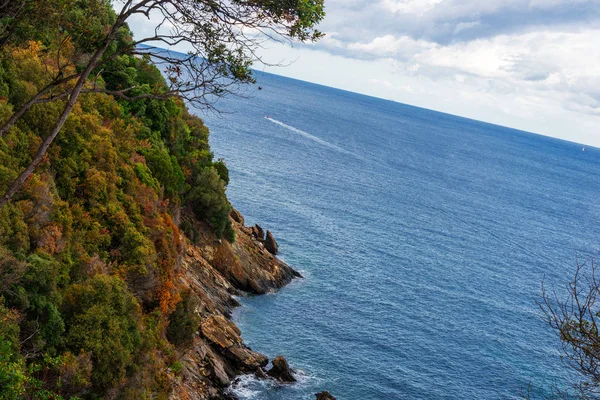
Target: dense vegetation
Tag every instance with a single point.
(88, 247)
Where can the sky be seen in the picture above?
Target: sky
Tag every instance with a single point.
(527, 64)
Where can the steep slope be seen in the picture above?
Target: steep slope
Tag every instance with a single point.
(214, 271)
(119, 257)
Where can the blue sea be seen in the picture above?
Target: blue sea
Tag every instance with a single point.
(423, 239)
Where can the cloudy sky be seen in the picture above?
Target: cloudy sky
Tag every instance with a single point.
(528, 64)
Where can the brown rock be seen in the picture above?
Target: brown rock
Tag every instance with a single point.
(260, 374)
(271, 244)
(244, 264)
(281, 370)
(214, 271)
(245, 358)
(325, 396)
(258, 232)
(237, 216)
(220, 331)
(218, 371)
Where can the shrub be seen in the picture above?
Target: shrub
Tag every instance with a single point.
(11, 271)
(177, 367)
(209, 202)
(145, 175)
(166, 170)
(102, 319)
(183, 322)
(138, 251)
(75, 373)
(221, 168)
(12, 373)
(12, 367)
(37, 297)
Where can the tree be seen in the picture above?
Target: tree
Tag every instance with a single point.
(575, 319)
(209, 202)
(10, 11)
(223, 36)
(103, 319)
(12, 367)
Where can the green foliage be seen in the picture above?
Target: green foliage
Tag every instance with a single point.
(13, 377)
(75, 373)
(183, 322)
(189, 230)
(222, 170)
(37, 296)
(88, 248)
(102, 319)
(11, 271)
(145, 175)
(166, 170)
(85, 21)
(138, 251)
(208, 200)
(177, 367)
(13, 229)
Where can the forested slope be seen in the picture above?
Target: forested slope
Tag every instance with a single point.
(96, 300)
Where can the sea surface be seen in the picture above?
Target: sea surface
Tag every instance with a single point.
(423, 239)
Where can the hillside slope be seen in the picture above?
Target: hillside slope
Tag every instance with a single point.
(119, 257)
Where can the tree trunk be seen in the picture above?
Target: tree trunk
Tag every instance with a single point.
(39, 156)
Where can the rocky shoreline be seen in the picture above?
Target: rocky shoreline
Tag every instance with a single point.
(214, 271)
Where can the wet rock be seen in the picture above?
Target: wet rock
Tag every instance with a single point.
(246, 359)
(214, 271)
(237, 216)
(324, 396)
(260, 374)
(225, 336)
(271, 244)
(258, 232)
(281, 370)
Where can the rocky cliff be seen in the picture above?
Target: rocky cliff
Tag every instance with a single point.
(215, 271)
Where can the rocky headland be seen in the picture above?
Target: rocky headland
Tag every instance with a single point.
(215, 271)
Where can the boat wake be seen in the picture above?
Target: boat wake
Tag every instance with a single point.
(309, 136)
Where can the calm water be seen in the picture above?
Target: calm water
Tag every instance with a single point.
(423, 239)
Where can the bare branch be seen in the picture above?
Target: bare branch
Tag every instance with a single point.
(223, 36)
(574, 318)
(36, 99)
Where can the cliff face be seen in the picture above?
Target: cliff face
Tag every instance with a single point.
(214, 271)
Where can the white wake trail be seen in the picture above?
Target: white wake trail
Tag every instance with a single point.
(309, 136)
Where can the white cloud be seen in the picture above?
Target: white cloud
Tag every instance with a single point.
(480, 58)
(389, 45)
(560, 65)
(380, 82)
(463, 26)
(530, 64)
(409, 6)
